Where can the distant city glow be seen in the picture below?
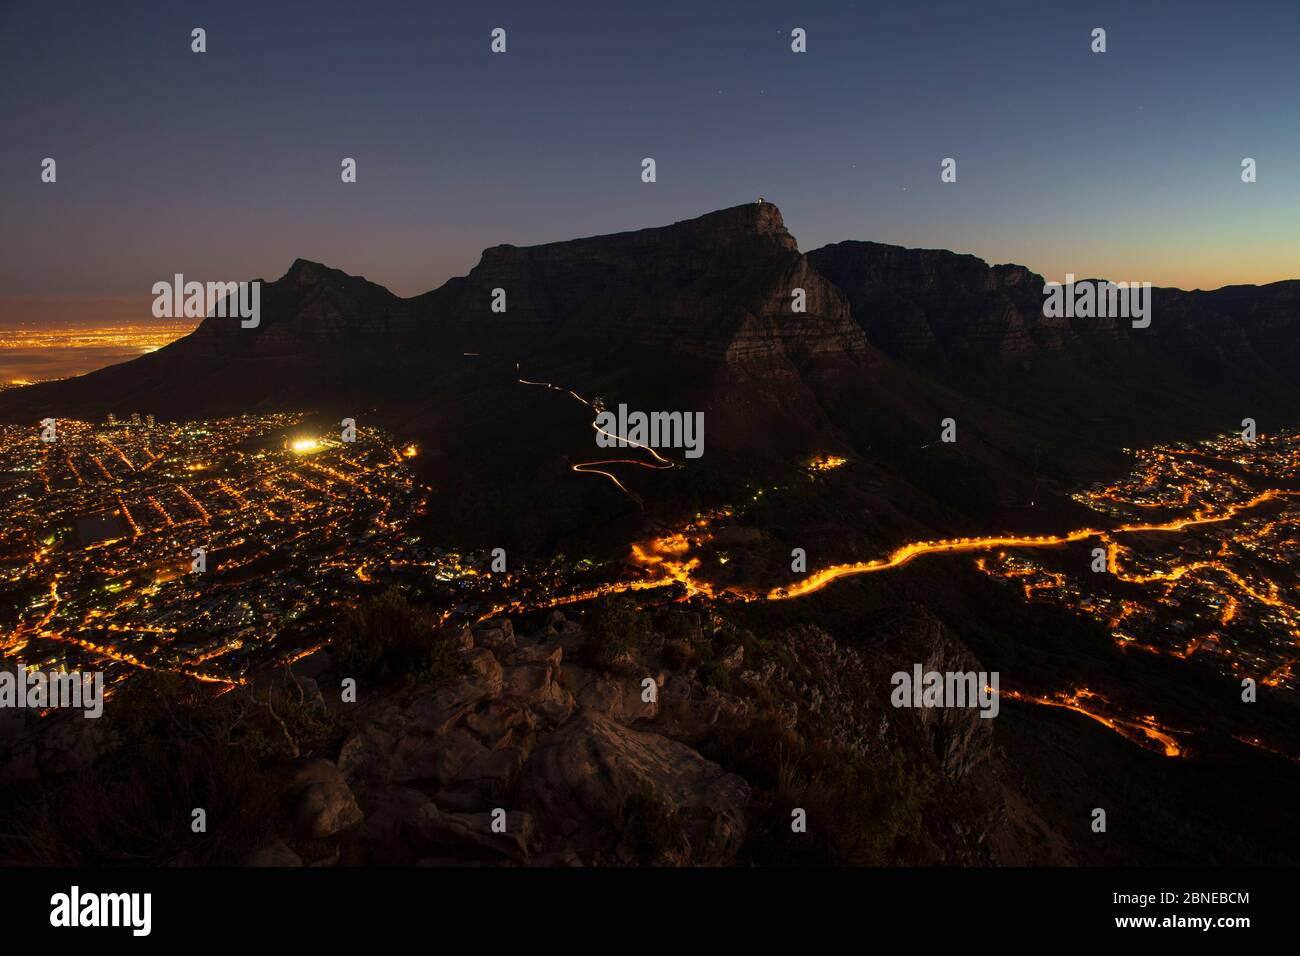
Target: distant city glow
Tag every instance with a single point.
(30, 354)
(145, 336)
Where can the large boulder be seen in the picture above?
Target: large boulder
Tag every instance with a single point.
(619, 696)
(582, 776)
(497, 635)
(436, 758)
(319, 801)
(436, 831)
(501, 723)
(438, 712)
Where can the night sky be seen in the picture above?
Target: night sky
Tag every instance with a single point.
(225, 165)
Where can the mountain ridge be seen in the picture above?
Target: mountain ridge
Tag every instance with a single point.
(700, 314)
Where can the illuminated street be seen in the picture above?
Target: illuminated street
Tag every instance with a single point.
(107, 518)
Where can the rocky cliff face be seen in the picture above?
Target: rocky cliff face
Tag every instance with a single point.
(927, 304)
(1248, 327)
(720, 287)
(911, 302)
(981, 332)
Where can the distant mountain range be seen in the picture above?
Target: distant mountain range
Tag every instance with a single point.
(699, 315)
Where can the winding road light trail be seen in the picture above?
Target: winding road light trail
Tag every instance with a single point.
(1144, 732)
(819, 580)
(591, 467)
(667, 561)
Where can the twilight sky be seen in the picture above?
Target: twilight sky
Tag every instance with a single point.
(225, 165)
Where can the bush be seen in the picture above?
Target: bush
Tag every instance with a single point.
(179, 749)
(679, 655)
(676, 624)
(386, 637)
(616, 628)
(135, 814)
(861, 812)
(651, 828)
(713, 673)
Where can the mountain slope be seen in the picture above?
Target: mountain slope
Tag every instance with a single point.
(700, 316)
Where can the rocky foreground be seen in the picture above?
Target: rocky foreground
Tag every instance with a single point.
(687, 750)
(584, 764)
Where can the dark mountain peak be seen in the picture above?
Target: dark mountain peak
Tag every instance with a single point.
(739, 231)
(718, 285)
(755, 222)
(311, 301)
(757, 218)
(305, 272)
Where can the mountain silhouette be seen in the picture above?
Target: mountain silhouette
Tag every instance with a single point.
(705, 315)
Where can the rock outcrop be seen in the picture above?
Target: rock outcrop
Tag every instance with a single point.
(548, 750)
(535, 753)
(585, 773)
